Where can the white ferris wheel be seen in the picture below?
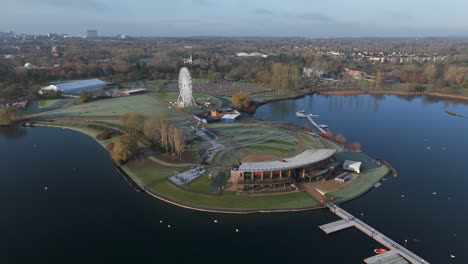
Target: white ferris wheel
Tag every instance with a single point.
(185, 89)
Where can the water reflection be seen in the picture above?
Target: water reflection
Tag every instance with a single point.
(15, 132)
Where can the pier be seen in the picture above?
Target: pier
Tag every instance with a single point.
(301, 114)
(396, 249)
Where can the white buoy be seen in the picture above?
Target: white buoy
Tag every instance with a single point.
(428, 147)
(160, 221)
(169, 226)
(402, 196)
(45, 188)
(452, 256)
(216, 221)
(443, 148)
(434, 193)
(237, 230)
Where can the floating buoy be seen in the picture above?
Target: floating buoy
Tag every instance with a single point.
(428, 147)
(216, 221)
(237, 230)
(452, 256)
(434, 193)
(402, 196)
(169, 226)
(45, 188)
(160, 221)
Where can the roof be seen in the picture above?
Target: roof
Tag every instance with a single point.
(351, 162)
(80, 85)
(307, 157)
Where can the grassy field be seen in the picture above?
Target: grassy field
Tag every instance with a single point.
(231, 201)
(145, 104)
(370, 175)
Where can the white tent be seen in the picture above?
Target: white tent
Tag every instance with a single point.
(352, 166)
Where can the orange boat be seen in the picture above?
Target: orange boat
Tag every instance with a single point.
(380, 250)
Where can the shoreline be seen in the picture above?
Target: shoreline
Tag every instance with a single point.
(348, 92)
(137, 186)
(125, 175)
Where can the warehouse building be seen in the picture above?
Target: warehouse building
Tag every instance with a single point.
(75, 87)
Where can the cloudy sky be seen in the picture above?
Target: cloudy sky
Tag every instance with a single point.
(308, 18)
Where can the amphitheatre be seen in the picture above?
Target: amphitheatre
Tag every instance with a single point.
(242, 167)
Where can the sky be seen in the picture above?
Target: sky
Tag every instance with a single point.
(276, 18)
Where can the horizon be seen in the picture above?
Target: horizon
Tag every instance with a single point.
(204, 18)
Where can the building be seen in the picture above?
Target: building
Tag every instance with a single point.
(134, 91)
(350, 165)
(91, 34)
(315, 72)
(75, 87)
(57, 51)
(281, 174)
(342, 178)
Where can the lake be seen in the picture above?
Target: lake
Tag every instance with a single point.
(89, 214)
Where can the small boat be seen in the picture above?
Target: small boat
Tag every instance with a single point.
(323, 126)
(301, 113)
(380, 250)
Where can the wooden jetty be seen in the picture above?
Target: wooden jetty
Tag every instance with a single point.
(401, 251)
(390, 168)
(336, 226)
(302, 114)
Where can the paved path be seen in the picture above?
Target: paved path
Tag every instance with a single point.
(176, 165)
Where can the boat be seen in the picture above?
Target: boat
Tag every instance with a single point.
(323, 126)
(380, 250)
(301, 113)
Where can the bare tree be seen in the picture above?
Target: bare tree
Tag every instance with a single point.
(179, 142)
(164, 135)
(341, 139)
(152, 129)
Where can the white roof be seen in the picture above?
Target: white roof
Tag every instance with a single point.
(231, 116)
(351, 163)
(307, 157)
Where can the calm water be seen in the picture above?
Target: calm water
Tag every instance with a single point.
(89, 214)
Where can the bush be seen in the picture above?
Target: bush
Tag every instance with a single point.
(104, 136)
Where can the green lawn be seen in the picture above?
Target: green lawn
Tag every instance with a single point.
(150, 172)
(145, 104)
(370, 175)
(231, 201)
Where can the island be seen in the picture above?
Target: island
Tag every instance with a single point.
(197, 151)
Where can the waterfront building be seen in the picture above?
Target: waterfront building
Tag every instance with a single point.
(282, 174)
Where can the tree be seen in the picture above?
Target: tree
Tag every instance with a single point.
(355, 146)
(164, 135)
(84, 97)
(9, 115)
(341, 139)
(151, 129)
(179, 142)
(124, 148)
(170, 136)
(241, 100)
(134, 121)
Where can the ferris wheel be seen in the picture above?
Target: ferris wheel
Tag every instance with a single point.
(185, 89)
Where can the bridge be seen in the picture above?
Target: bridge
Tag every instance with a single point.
(349, 220)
